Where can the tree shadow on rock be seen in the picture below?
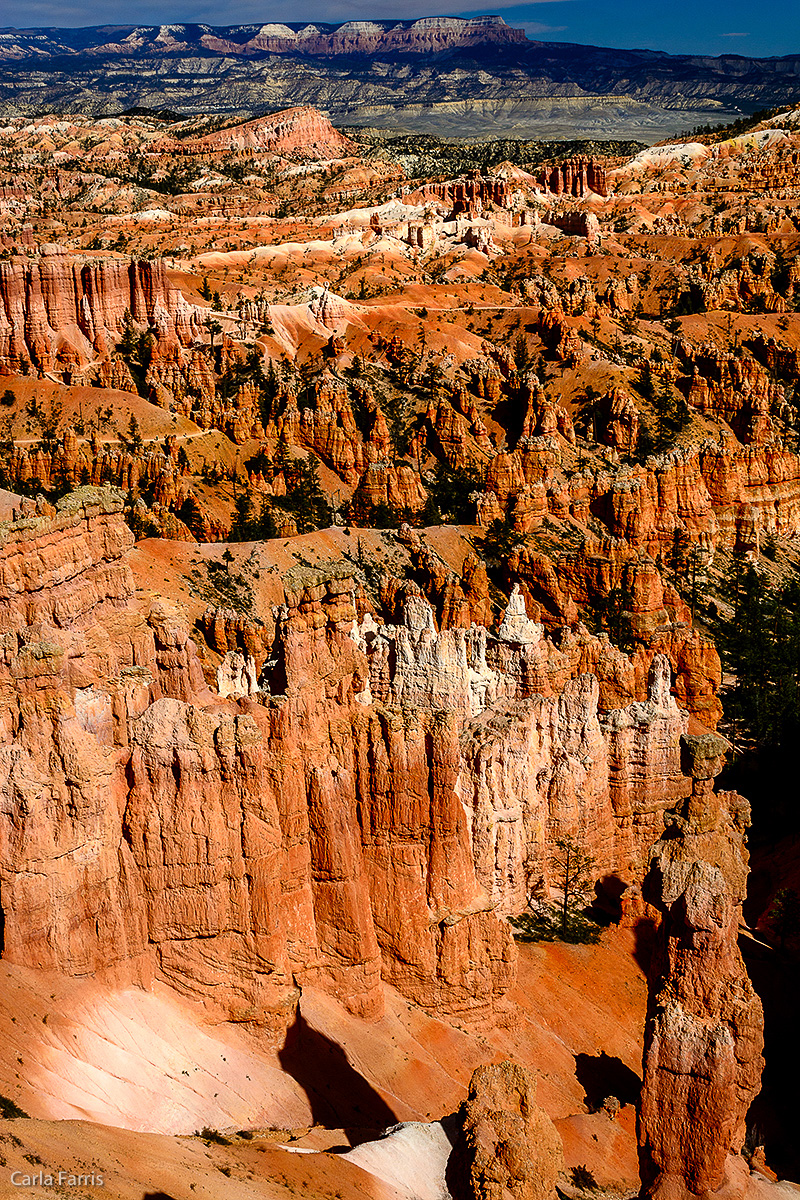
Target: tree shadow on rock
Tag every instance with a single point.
(601, 1075)
(339, 1096)
(608, 897)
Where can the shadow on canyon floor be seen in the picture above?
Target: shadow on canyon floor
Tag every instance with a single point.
(339, 1096)
(601, 1075)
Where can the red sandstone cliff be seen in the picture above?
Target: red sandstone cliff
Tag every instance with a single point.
(303, 132)
(358, 818)
(57, 313)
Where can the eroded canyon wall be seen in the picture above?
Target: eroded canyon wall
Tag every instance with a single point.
(371, 812)
(58, 313)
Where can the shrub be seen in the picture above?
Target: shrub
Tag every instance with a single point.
(213, 1135)
(9, 1111)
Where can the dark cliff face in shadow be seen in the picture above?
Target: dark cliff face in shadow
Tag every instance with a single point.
(339, 1096)
(772, 1119)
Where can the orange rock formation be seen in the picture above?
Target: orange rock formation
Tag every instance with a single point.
(703, 1039)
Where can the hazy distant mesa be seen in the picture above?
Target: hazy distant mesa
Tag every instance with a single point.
(443, 75)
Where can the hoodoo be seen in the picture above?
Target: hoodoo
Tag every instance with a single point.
(396, 535)
(704, 1033)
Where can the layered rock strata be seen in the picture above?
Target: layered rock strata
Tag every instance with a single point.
(58, 313)
(234, 849)
(302, 131)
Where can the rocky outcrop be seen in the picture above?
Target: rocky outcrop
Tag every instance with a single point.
(507, 1147)
(79, 664)
(294, 132)
(703, 1039)
(574, 177)
(714, 492)
(549, 767)
(229, 631)
(617, 419)
(574, 223)
(732, 386)
(57, 313)
(469, 194)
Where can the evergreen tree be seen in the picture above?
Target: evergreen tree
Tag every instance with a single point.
(450, 492)
(242, 522)
(573, 871)
(267, 393)
(672, 413)
(135, 439)
(523, 360)
(144, 350)
(128, 341)
(586, 412)
(611, 613)
(645, 384)
(305, 498)
(283, 459)
(500, 541)
(192, 516)
(759, 643)
(267, 526)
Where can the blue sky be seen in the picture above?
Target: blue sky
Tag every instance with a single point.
(714, 27)
(677, 26)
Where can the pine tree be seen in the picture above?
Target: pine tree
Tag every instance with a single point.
(451, 491)
(305, 498)
(134, 434)
(645, 384)
(760, 647)
(573, 870)
(128, 341)
(283, 460)
(242, 523)
(500, 541)
(586, 412)
(266, 526)
(192, 516)
(522, 355)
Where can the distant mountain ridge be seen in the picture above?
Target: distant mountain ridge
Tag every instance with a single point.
(477, 72)
(428, 34)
